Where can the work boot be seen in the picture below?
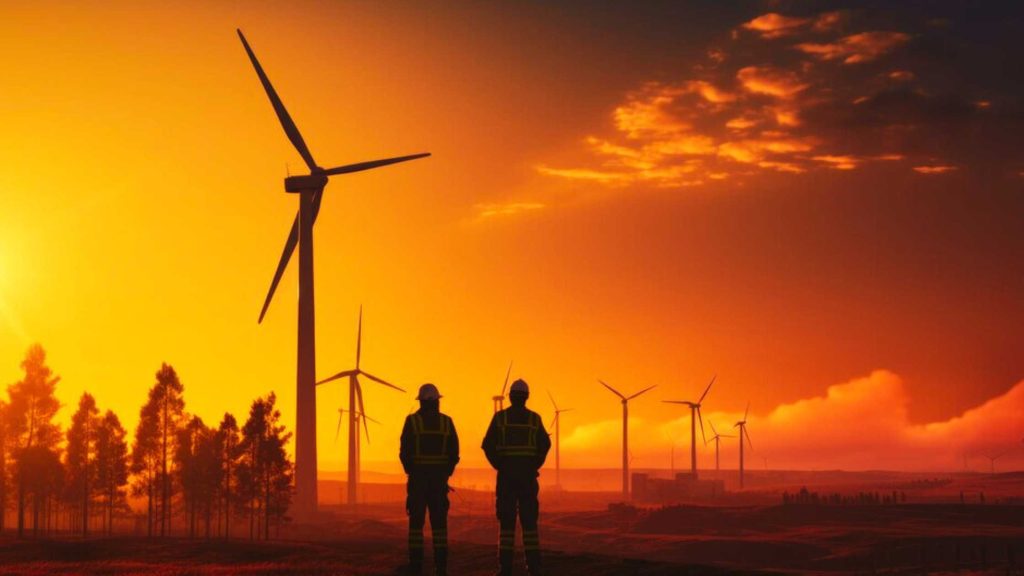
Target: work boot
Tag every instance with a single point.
(441, 562)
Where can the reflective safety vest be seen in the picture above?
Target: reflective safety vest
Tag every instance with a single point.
(518, 440)
(431, 445)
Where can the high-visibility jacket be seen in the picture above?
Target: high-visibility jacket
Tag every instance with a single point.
(429, 441)
(516, 437)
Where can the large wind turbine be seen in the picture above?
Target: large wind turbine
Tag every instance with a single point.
(360, 417)
(716, 438)
(742, 425)
(556, 423)
(694, 417)
(499, 401)
(310, 189)
(625, 435)
(355, 394)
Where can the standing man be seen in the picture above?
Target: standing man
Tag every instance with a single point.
(516, 445)
(429, 453)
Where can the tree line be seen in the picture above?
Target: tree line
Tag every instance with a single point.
(180, 473)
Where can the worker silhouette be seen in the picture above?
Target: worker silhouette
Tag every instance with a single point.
(516, 445)
(429, 452)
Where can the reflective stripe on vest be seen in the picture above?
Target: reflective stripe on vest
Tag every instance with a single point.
(421, 455)
(518, 440)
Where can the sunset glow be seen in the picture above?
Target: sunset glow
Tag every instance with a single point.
(822, 207)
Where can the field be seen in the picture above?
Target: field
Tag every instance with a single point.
(581, 534)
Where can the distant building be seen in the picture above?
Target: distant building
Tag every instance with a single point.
(683, 487)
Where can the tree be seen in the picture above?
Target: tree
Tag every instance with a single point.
(32, 433)
(227, 443)
(265, 472)
(3, 464)
(80, 457)
(198, 469)
(111, 465)
(145, 460)
(160, 420)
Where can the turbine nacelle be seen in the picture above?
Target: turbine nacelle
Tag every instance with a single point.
(309, 182)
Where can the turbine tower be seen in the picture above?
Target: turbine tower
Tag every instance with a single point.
(499, 400)
(716, 438)
(556, 423)
(625, 435)
(355, 394)
(694, 417)
(360, 417)
(742, 425)
(310, 189)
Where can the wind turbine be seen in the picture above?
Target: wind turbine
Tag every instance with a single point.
(742, 425)
(359, 448)
(717, 437)
(694, 417)
(499, 401)
(992, 460)
(355, 394)
(556, 423)
(310, 189)
(625, 434)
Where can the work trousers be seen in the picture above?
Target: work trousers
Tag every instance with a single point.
(428, 491)
(517, 496)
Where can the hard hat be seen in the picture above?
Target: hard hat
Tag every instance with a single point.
(519, 386)
(428, 392)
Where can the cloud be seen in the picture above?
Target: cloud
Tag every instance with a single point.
(507, 209)
(770, 81)
(772, 25)
(856, 48)
(935, 169)
(764, 107)
(861, 424)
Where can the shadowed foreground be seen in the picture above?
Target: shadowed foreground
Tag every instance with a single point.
(154, 557)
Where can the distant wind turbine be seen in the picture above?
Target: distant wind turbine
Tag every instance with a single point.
(992, 460)
(717, 437)
(499, 400)
(360, 417)
(556, 423)
(742, 425)
(625, 434)
(694, 417)
(355, 397)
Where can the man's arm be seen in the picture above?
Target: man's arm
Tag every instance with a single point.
(543, 443)
(490, 444)
(453, 450)
(406, 447)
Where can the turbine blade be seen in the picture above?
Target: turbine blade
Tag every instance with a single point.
(747, 434)
(553, 401)
(343, 374)
(747, 411)
(371, 420)
(712, 424)
(282, 114)
(286, 254)
(675, 402)
(616, 392)
(379, 381)
(362, 410)
(701, 420)
(507, 375)
(359, 338)
(553, 420)
(360, 166)
(707, 389)
(642, 391)
(337, 431)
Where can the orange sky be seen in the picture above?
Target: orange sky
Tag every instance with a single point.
(791, 198)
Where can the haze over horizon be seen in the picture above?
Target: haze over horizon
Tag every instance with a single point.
(819, 204)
